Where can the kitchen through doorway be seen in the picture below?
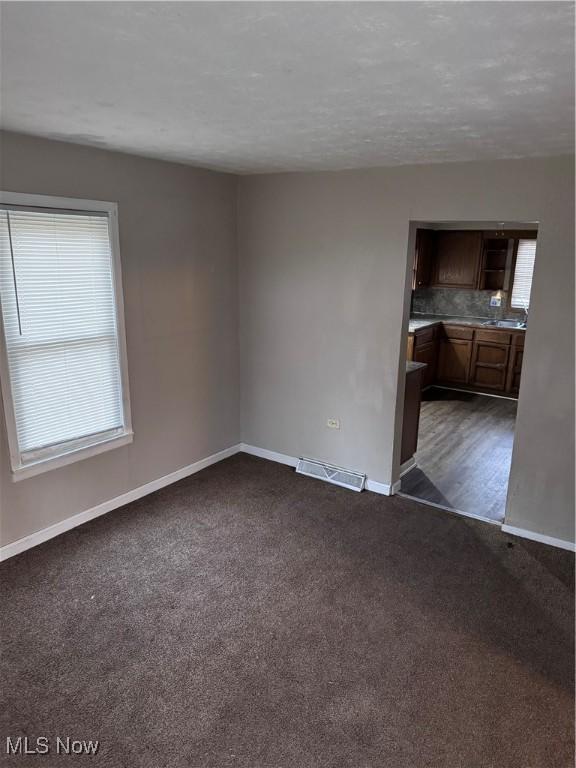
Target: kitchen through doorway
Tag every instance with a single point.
(469, 315)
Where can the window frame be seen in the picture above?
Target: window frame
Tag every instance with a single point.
(531, 235)
(84, 447)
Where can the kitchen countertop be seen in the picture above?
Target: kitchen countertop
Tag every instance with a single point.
(421, 321)
(412, 365)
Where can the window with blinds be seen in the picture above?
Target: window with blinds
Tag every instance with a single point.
(62, 355)
(523, 271)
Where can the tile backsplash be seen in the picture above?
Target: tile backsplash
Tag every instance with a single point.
(460, 302)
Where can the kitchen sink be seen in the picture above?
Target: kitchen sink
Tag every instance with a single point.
(505, 324)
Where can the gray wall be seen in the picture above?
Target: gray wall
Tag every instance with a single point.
(323, 279)
(179, 268)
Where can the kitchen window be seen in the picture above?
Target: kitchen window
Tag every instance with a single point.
(63, 353)
(523, 272)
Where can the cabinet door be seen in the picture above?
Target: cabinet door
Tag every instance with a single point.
(457, 259)
(454, 361)
(489, 365)
(412, 392)
(427, 353)
(423, 258)
(514, 370)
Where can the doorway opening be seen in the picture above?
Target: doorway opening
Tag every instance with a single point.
(469, 315)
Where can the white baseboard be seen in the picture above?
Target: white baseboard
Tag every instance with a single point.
(533, 536)
(27, 542)
(20, 545)
(264, 453)
(453, 511)
(291, 461)
(383, 488)
(472, 392)
(407, 466)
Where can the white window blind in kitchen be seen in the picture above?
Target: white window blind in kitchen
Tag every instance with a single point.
(523, 272)
(60, 327)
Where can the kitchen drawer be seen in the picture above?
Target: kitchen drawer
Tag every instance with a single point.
(424, 335)
(498, 337)
(458, 332)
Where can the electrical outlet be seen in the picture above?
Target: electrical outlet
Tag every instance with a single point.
(333, 423)
(495, 301)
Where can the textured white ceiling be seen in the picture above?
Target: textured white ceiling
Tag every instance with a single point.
(252, 87)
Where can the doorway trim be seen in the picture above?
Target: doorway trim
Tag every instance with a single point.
(445, 224)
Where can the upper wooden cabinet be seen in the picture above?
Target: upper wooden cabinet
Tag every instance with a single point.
(465, 258)
(423, 258)
(457, 259)
(496, 255)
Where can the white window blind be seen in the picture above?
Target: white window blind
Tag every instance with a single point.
(523, 272)
(60, 329)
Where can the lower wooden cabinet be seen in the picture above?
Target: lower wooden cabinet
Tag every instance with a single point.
(423, 348)
(410, 347)
(514, 370)
(476, 358)
(454, 361)
(427, 353)
(412, 396)
(489, 365)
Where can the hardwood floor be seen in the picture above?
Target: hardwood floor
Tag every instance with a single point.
(464, 452)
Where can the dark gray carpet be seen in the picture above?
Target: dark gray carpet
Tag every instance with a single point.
(250, 617)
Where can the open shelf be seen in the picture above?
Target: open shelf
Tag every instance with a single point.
(494, 259)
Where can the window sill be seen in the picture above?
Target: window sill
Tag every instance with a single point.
(61, 460)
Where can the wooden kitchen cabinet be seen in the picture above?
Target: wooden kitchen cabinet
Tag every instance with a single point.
(454, 361)
(423, 258)
(496, 253)
(411, 420)
(515, 366)
(489, 365)
(472, 357)
(410, 347)
(427, 353)
(423, 348)
(454, 354)
(457, 259)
